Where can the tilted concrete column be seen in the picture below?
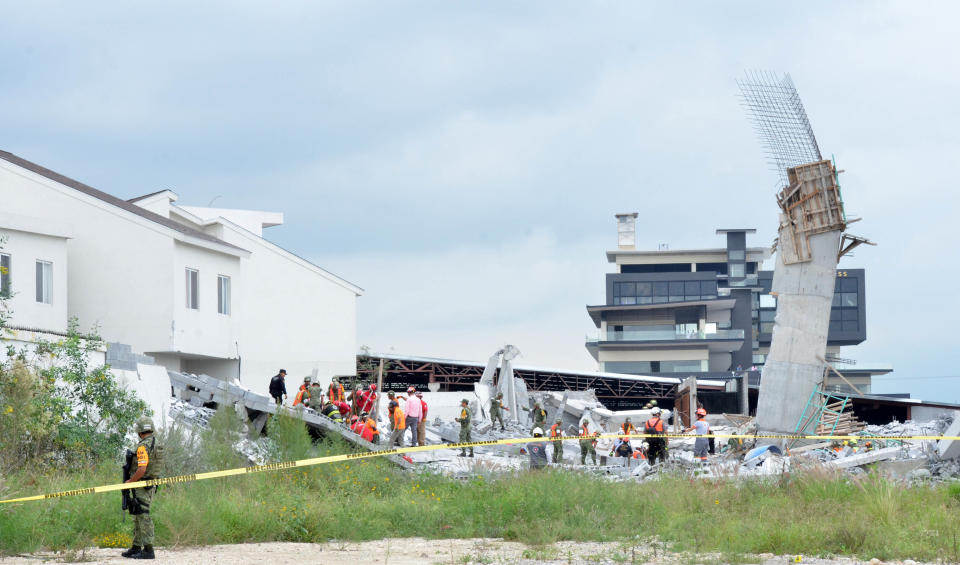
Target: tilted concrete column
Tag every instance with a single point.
(811, 226)
(793, 368)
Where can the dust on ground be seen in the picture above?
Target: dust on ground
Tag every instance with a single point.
(417, 551)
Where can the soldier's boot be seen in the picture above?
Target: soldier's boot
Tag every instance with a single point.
(471, 452)
(145, 553)
(131, 551)
(463, 453)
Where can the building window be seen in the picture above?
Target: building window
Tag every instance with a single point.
(44, 281)
(223, 295)
(4, 275)
(736, 255)
(193, 289)
(736, 270)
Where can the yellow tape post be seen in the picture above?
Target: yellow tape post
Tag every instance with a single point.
(401, 450)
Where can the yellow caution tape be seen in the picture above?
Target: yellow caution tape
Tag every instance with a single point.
(399, 451)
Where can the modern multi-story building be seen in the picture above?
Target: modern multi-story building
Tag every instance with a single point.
(704, 312)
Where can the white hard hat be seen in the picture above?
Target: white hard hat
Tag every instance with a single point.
(537, 432)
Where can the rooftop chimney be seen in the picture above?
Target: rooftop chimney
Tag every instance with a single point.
(627, 230)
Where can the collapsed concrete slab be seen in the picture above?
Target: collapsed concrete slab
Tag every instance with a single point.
(949, 448)
(865, 458)
(257, 406)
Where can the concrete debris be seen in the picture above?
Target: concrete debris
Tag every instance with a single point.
(907, 460)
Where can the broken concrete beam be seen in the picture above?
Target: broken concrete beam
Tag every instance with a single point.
(864, 458)
(949, 448)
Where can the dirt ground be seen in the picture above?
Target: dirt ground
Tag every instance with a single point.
(417, 551)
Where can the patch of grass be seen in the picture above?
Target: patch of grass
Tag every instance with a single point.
(358, 500)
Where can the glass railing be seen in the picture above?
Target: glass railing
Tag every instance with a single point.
(670, 335)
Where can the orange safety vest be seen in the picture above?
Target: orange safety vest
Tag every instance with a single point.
(335, 394)
(627, 428)
(584, 430)
(399, 419)
(654, 425)
(555, 431)
(299, 398)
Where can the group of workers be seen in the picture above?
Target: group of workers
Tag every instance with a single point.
(356, 411)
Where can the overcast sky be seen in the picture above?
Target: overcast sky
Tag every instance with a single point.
(462, 161)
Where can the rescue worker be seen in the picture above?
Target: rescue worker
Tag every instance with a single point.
(354, 400)
(368, 398)
(555, 434)
(496, 405)
(369, 431)
(316, 396)
(422, 424)
(465, 420)
(539, 416)
(701, 446)
(331, 411)
(414, 411)
(278, 387)
(303, 393)
(146, 454)
(657, 446)
(587, 444)
(398, 421)
(627, 428)
(537, 451)
(335, 392)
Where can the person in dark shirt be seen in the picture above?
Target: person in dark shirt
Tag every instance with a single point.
(278, 387)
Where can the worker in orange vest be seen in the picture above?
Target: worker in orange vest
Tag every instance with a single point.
(335, 392)
(587, 445)
(556, 432)
(399, 425)
(657, 446)
(303, 395)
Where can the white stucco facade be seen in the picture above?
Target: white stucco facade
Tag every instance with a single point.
(122, 266)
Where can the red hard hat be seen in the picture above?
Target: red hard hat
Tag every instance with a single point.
(411, 389)
(373, 387)
(701, 412)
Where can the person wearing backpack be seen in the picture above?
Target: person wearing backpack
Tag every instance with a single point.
(657, 446)
(278, 388)
(148, 464)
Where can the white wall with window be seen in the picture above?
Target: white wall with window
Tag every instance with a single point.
(223, 295)
(199, 328)
(34, 274)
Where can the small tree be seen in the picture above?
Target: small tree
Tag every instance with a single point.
(97, 412)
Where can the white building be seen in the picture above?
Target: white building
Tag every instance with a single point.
(198, 289)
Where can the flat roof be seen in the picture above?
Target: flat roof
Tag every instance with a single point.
(736, 230)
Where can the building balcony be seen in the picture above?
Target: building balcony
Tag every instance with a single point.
(634, 335)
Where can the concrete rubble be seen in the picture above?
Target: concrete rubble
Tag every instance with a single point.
(907, 460)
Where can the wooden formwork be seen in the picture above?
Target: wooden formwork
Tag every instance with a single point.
(811, 204)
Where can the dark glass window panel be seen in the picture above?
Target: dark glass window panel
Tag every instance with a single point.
(736, 254)
(628, 289)
(767, 315)
(848, 284)
(766, 327)
(849, 314)
(848, 299)
(676, 288)
(644, 289)
(691, 288)
(834, 314)
(644, 300)
(851, 326)
(708, 288)
(660, 299)
(628, 300)
(661, 289)
(835, 325)
(836, 299)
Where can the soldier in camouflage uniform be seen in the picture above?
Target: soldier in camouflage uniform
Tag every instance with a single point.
(465, 420)
(539, 416)
(587, 446)
(316, 397)
(556, 431)
(147, 463)
(496, 405)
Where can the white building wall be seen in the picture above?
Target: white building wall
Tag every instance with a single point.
(25, 249)
(294, 316)
(204, 331)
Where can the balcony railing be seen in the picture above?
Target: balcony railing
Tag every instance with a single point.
(633, 335)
